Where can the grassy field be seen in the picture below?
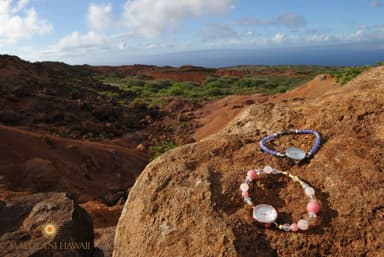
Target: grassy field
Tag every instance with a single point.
(258, 79)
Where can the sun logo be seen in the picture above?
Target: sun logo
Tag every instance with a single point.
(49, 230)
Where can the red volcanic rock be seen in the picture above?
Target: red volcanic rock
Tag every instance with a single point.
(231, 73)
(188, 203)
(103, 215)
(44, 225)
(195, 75)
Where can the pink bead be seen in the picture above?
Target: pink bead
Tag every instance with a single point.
(244, 194)
(313, 206)
(252, 174)
(294, 227)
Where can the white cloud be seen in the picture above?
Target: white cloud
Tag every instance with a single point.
(100, 16)
(78, 46)
(15, 26)
(77, 41)
(152, 17)
(278, 38)
(290, 20)
(217, 32)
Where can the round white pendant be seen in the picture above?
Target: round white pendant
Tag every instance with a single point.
(264, 213)
(295, 153)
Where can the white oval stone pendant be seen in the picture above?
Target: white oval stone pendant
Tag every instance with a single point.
(295, 153)
(264, 213)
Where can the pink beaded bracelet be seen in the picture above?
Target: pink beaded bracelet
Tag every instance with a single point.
(266, 214)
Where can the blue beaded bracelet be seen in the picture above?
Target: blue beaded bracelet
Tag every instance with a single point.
(292, 152)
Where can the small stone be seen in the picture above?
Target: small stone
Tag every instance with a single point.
(244, 193)
(302, 224)
(268, 169)
(309, 191)
(244, 187)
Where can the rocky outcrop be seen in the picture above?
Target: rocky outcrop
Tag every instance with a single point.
(44, 225)
(188, 203)
(104, 242)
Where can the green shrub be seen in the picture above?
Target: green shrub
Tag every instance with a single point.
(348, 73)
(134, 82)
(214, 84)
(161, 148)
(156, 85)
(280, 89)
(182, 88)
(194, 93)
(175, 91)
(250, 82)
(210, 79)
(214, 91)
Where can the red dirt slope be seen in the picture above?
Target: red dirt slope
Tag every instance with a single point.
(39, 163)
(217, 114)
(314, 88)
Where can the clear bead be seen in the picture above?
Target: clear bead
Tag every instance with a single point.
(244, 187)
(312, 215)
(302, 224)
(309, 191)
(268, 169)
(248, 200)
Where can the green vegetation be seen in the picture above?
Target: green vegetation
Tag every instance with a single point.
(258, 79)
(161, 148)
(346, 74)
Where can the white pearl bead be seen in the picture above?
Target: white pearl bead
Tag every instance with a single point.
(309, 191)
(302, 224)
(268, 169)
(244, 187)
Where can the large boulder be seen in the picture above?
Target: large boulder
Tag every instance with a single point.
(187, 202)
(44, 225)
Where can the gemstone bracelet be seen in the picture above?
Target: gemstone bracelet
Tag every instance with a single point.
(266, 214)
(292, 152)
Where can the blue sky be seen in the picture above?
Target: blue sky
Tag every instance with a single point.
(172, 31)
